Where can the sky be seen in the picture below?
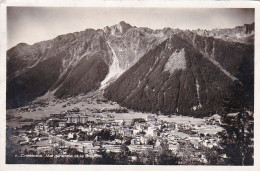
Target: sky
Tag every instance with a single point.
(34, 24)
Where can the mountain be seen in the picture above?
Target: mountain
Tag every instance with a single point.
(184, 76)
(72, 64)
(243, 34)
(166, 71)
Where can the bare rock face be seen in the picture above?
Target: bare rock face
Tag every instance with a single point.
(166, 71)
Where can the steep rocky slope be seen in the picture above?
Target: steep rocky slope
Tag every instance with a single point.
(180, 76)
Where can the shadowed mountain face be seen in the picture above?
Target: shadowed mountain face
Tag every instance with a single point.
(167, 71)
(178, 77)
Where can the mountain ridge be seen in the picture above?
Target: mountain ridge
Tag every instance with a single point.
(78, 62)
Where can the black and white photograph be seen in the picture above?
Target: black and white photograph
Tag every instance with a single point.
(130, 86)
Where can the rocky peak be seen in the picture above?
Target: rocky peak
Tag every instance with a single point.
(22, 44)
(120, 28)
(125, 25)
(249, 28)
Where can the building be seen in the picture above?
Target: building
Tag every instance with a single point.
(98, 121)
(62, 124)
(128, 132)
(151, 118)
(173, 147)
(139, 148)
(152, 131)
(70, 135)
(143, 140)
(77, 118)
(120, 121)
(112, 148)
(133, 141)
(39, 127)
(59, 115)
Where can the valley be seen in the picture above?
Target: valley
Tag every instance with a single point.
(29, 121)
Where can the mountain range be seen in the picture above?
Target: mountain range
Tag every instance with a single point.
(190, 72)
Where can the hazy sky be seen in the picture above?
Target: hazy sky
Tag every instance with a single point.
(34, 24)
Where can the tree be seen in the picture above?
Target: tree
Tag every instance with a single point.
(138, 160)
(61, 143)
(122, 157)
(166, 157)
(212, 155)
(237, 138)
(25, 151)
(151, 141)
(238, 134)
(150, 157)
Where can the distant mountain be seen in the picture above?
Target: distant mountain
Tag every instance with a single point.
(166, 71)
(243, 34)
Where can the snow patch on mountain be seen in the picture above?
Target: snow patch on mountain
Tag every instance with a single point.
(198, 89)
(176, 61)
(217, 64)
(159, 35)
(114, 69)
(199, 106)
(228, 74)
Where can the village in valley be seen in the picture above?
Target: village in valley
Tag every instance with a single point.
(88, 131)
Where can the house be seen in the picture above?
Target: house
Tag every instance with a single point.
(39, 127)
(112, 148)
(152, 131)
(59, 115)
(93, 155)
(139, 148)
(135, 131)
(140, 127)
(173, 147)
(75, 110)
(62, 124)
(207, 143)
(91, 149)
(143, 140)
(77, 118)
(114, 132)
(194, 137)
(151, 118)
(120, 121)
(46, 128)
(133, 158)
(128, 132)
(70, 135)
(133, 141)
(195, 144)
(98, 120)
(157, 143)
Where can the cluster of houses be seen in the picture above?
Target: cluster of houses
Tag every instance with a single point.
(138, 134)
